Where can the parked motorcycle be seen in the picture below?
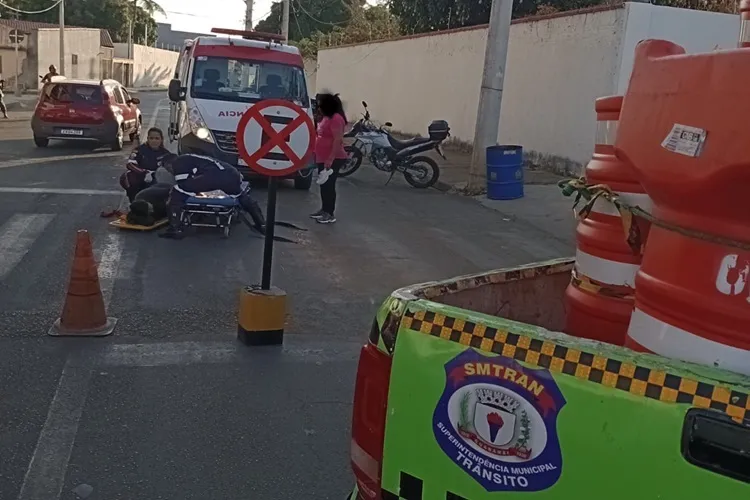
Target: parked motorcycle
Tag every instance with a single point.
(391, 155)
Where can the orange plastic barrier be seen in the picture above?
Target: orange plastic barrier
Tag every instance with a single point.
(600, 299)
(684, 127)
(83, 313)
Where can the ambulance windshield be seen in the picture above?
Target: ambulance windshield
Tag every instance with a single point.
(241, 80)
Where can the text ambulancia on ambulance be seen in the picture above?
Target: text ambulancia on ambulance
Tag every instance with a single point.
(218, 78)
(497, 420)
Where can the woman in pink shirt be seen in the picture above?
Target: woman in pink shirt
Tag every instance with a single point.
(329, 154)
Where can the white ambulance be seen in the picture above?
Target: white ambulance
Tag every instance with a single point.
(218, 78)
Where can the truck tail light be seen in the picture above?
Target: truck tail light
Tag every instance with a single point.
(368, 420)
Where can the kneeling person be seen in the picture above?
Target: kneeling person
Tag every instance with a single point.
(194, 174)
(150, 205)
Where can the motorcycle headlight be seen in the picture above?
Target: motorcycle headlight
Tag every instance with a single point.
(198, 126)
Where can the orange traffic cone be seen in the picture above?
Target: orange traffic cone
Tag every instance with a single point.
(83, 313)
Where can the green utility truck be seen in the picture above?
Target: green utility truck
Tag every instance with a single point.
(467, 390)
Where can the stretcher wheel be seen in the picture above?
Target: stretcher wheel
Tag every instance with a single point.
(227, 228)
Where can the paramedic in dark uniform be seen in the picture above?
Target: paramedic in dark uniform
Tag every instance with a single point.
(142, 163)
(194, 174)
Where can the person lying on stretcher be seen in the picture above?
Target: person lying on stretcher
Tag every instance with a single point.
(142, 163)
(195, 174)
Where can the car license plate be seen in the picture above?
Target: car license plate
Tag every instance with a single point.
(71, 131)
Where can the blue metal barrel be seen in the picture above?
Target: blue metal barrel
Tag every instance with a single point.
(504, 172)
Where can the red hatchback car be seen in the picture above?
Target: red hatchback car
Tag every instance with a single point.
(85, 110)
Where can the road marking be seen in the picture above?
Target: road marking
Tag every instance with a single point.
(46, 472)
(155, 114)
(109, 264)
(16, 237)
(213, 352)
(26, 190)
(169, 353)
(50, 159)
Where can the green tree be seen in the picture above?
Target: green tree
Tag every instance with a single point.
(112, 15)
(419, 16)
(309, 16)
(365, 24)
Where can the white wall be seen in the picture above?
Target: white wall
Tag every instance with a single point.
(8, 59)
(414, 80)
(557, 66)
(696, 31)
(84, 43)
(152, 67)
(311, 75)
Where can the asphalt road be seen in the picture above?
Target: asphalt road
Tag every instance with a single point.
(170, 406)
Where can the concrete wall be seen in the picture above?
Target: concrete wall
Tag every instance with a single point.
(414, 80)
(557, 66)
(152, 67)
(81, 44)
(8, 58)
(311, 75)
(169, 39)
(695, 30)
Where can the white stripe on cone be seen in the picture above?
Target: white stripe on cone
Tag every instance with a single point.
(675, 343)
(606, 271)
(604, 207)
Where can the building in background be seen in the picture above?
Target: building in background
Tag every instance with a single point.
(169, 39)
(88, 52)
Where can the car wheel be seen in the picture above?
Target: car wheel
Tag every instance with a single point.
(303, 183)
(41, 142)
(118, 142)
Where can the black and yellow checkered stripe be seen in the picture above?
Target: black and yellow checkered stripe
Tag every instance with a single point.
(410, 488)
(622, 375)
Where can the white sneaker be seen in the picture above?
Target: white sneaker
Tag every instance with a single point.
(323, 176)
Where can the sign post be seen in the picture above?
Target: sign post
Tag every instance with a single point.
(16, 37)
(275, 138)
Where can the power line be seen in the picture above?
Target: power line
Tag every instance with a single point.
(188, 14)
(299, 4)
(13, 9)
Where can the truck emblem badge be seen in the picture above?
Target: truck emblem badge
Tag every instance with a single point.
(497, 420)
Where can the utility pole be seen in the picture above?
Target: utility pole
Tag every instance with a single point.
(249, 15)
(131, 31)
(18, 39)
(285, 21)
(491, 93)
(61, 69)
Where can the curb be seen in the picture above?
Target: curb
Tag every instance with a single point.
(20, 106)
(443, 187)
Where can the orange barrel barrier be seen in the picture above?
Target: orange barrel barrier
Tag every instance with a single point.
(682, 127)
(84, 311)
(744, 24)
(599, 299)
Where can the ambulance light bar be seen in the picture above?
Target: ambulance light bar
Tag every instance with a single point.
(250, 35)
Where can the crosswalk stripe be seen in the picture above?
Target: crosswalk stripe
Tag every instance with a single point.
(109, 263)
(24, 190)
(16, 237)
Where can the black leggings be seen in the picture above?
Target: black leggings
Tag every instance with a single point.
(328, 190)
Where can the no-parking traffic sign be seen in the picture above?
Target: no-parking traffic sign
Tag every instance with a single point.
(275, 137)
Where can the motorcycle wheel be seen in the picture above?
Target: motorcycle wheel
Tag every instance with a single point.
(431, 172)
(353, 163)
